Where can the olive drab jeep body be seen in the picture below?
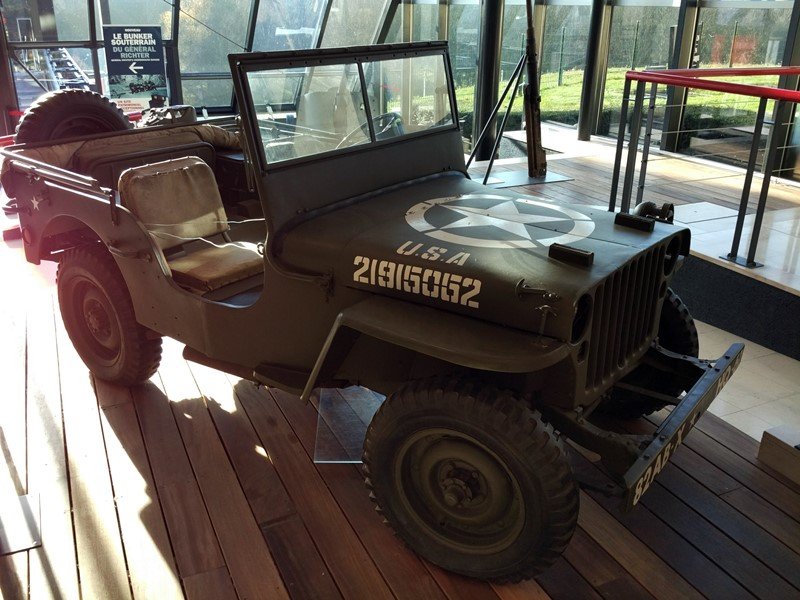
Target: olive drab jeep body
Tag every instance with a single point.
(331, 236)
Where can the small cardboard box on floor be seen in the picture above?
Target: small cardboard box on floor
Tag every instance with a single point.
(780, 450)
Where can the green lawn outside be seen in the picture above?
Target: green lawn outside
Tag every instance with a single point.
(560, 103)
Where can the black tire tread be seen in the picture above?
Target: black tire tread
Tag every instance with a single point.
(39, 120)
(502, 412)
(143, 349)
(677, 331)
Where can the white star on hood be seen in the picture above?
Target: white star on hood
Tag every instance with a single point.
(504, 215)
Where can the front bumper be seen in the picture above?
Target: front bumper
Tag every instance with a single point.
(674, 429)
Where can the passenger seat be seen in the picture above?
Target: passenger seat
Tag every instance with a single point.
(178, 201)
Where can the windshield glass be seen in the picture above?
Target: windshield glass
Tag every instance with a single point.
(313, 110)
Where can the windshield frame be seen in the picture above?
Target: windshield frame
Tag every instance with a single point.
(244, 64)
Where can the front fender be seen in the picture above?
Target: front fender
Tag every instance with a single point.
(446, 336)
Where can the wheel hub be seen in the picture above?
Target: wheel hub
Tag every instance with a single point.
(98, 327)
(97, 320)
(460, 490)
(459, 486)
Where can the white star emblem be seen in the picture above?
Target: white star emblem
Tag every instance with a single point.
(505, 216)
(35, 202)
(501, 212)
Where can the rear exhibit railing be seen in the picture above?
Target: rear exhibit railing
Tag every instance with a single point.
(702, 79)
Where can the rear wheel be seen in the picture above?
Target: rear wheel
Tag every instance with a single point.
(471, 479)
(677, 333)
(70, 113)
(98, 316)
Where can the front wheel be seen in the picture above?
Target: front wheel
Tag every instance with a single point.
(471, 479)
(99, 318)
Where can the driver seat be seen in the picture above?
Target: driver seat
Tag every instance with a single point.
(179, 202)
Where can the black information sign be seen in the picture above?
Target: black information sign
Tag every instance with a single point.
(135, 58)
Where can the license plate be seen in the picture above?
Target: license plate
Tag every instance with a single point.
(678, 424)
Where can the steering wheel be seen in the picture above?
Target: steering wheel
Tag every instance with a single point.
(382, 124)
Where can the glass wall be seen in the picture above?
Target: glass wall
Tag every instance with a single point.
(642, 37)
(418, 22)
(463, 33)
(566, 33)
(60, 20)
(208, 32)
(353, 22)
(287, 24)
(459, 24)
(127, 12)
(717, 125)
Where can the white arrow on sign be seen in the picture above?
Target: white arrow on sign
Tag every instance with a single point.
(134, 69)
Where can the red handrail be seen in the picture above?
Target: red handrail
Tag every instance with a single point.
(732, 71)
(692, 78)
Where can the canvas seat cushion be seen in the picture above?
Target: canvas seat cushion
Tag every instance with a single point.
(210, 268)
(178, 200)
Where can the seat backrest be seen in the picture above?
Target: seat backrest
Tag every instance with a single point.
(107, 169)
(315, 110)
(176, 199)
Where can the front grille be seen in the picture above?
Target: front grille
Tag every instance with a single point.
(624, 305)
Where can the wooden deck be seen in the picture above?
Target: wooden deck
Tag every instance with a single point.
(670, 177)
(197, 485)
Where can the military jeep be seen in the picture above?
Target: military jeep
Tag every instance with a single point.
(331, 236)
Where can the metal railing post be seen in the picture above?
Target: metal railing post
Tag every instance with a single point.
(748, 179)
(648, 132)
(633, 147)
(623, 119)
(769, 163)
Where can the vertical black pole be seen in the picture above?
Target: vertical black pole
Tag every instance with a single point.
(748, 179)
(590, 74)
(98, 80)
(251, 26)
(105, 13)
(323, 24)
(488, 82)
(681, 59)
(633, 147)
(648, 134)
(105, 19)
(532, 99)
(383, 32)
(783, 119)
(8, 89)
(769, 164)
(623, 120)
(173, 62)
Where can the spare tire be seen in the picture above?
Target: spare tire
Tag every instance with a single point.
(70, 113)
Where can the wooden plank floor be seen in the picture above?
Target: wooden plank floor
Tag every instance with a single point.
(202, 486)
(670, 177)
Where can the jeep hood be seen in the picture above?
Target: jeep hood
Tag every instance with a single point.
(451, 243)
